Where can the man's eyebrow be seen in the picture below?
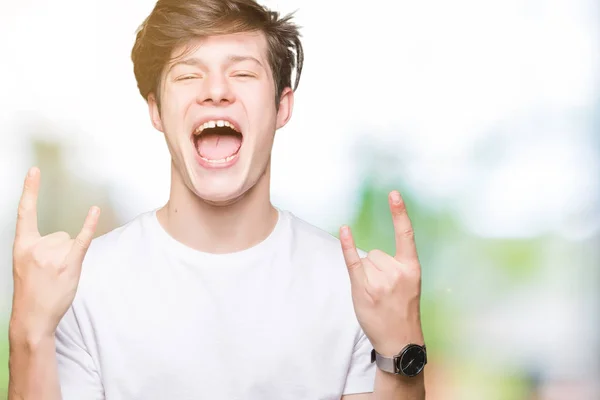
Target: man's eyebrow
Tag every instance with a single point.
(196, 62)
(193, 61)
(236, 59)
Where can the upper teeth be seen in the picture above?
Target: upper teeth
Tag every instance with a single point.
(213, 124)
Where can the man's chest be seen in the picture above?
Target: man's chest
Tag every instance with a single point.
(232, 344)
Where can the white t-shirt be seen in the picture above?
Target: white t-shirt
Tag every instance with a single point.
(154, 319)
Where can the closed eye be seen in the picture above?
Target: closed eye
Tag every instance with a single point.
(244, 75)
(187, 77)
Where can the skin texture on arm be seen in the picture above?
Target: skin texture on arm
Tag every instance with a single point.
(33, 369)
(46, 273)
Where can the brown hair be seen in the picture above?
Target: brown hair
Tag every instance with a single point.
(174, 23)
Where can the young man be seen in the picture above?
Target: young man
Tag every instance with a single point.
(218, 294)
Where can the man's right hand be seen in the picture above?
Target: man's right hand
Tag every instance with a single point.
(46, 269)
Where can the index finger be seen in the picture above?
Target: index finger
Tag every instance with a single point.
(27, 223)
(406, 249)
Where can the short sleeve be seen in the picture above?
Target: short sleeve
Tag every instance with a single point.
(361, 375)
(78, 375)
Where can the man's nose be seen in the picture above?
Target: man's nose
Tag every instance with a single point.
(215, 91)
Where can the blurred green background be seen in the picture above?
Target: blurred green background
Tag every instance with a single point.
(485, 115)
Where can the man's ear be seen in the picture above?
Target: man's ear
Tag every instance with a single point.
(154, 112)
(286, 104)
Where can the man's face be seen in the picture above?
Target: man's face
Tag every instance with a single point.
(219, 116)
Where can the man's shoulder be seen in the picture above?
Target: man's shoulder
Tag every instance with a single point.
(124, 234)
(108, 250)
(315, 239)
(316, 254)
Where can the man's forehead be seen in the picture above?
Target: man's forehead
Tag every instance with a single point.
(227, 47)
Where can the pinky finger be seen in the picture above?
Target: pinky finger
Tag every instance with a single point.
(351, 256)
(84, 238)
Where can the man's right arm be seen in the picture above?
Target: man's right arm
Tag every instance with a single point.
(46, 271)
(56, 367)
(33, 367)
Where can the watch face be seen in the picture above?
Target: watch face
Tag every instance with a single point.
(412, 361)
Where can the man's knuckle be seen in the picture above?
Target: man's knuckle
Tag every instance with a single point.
(62, 267)
(377, 291)
(81, 242)
(395, 276)
(21, 212)
(408, 233)
(19, 247)
(37, 254)
(41, 257)
(355, 264)
(347, 246)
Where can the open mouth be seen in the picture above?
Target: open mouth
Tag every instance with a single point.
(218, 141)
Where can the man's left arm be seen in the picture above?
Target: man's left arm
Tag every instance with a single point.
(386, 294)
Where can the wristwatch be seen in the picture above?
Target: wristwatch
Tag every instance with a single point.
(409, 362)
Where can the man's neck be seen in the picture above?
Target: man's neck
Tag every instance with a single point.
(219, 229)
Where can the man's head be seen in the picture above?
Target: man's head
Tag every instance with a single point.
(205, 63)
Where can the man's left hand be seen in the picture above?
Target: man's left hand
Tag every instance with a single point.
(386, 290)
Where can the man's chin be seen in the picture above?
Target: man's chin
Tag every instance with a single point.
(220, 196)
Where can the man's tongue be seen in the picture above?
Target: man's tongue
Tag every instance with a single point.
(218, 147)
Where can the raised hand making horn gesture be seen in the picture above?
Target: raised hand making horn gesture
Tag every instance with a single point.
(386, 294)
(46, 269)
